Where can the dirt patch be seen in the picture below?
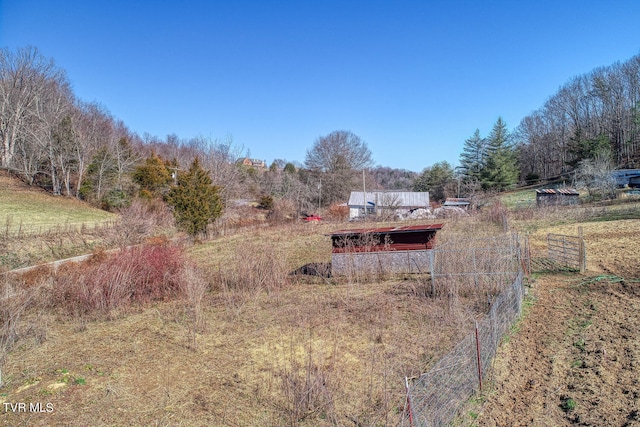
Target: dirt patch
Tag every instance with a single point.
(575, 359)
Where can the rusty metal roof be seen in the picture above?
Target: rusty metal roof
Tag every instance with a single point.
(389, 230)
(563, 191)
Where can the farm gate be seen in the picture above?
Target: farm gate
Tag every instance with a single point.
(563, 252)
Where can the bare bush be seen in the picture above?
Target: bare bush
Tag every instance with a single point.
(283, 210)
(137, 275)
(338, 212)
(139, 220)
(497, 214)
(254, 268)
(14, 300)
(307, 388)
(194, 287)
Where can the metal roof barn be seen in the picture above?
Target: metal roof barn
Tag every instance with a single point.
(385, 201)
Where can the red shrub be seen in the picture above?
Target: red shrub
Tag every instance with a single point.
(137, 275)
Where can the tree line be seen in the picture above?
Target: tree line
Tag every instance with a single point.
(51, 138)
(596, 114)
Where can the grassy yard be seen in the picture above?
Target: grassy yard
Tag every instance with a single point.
(35, 211)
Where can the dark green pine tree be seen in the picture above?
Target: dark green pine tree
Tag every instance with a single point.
(195, 201)
(473, 157)
(501, 167)
(434, 179)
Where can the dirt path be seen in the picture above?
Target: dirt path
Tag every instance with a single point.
(575, 359)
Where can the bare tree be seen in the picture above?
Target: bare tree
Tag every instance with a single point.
(23, 79)
(595, 175)
(91, 127)
(335, 159)
(50, 107)
(219, 158)
(593, 111)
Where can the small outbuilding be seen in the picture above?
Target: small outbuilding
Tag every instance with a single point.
(557, 197)
(383, 250)
(457, 202)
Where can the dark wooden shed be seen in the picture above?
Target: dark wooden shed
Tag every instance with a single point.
(383, 250)
(411, 237)
(557, 197)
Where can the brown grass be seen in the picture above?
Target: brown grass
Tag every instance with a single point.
(244, 343)
(239, 341)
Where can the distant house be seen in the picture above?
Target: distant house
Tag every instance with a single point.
(253, 163)
(627, 177)
(560, 197)
(386, 202)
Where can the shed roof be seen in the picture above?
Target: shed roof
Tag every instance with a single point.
(390, 198)
(562, 191)
(405, 238)
(457, 201)
(389, 230)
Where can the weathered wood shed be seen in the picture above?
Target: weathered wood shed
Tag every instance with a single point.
(383, 250)
(557, 197)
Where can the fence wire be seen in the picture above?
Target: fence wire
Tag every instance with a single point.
(434, 398)
(20, 231)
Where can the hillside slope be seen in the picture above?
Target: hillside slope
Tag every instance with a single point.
(33, 210)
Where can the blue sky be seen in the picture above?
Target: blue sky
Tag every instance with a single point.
(414, 79)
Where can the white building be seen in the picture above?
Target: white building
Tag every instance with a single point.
(386, 202)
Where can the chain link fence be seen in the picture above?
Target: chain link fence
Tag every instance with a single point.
(491, 271)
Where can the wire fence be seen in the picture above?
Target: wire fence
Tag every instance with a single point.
(477, 268)
(492, 271)
(19, 231)
(567, 250)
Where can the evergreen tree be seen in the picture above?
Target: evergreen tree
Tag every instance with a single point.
(196, 202)
(290, 168)
(501, 167)
(473, 157)
(434, 179)
(153, 177)
(581, 148)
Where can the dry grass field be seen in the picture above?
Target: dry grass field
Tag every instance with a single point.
(36, 227)
(268, 348)
(235, 339)
(31, 210)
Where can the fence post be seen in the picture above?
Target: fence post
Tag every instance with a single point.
(479, 359)
(582, 253)
(409, 409)
(433, 275)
